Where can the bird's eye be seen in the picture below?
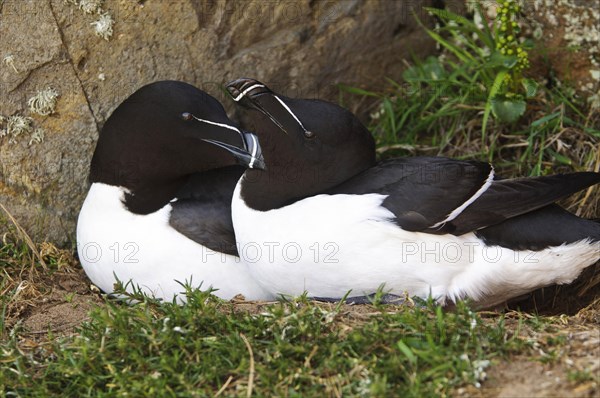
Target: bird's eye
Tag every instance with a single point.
(186, 116)
(309, 134)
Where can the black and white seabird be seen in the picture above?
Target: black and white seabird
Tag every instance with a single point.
(319, 219)
(158, 210)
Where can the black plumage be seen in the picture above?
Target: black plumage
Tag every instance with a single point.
(539, 229)
(202, 211)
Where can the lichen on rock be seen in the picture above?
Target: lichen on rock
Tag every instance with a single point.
(104, 26)
(15, 126)
(90, 6)
(44, 102)
(37, 137)
(9, 60)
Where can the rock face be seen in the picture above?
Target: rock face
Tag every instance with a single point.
(299, 48)
(568, 49)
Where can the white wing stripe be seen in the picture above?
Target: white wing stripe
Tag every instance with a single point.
(456, 212)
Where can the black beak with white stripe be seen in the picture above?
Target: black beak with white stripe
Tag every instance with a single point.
(250, 156)
(253, 94)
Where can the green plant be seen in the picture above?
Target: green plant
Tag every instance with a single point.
(496, 57)
(581, 376)
(476, 100)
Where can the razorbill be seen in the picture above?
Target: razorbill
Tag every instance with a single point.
(317, 220)
(158, 214)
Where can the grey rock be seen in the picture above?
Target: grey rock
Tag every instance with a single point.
(303, 48)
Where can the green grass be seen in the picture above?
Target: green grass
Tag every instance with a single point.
(293, 348)
(458, 104)
(447, 121)
(473, 102)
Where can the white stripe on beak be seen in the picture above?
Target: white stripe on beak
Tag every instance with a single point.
(254, 149)
(246, 91)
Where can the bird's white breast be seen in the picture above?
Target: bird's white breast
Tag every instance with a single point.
(111, 241)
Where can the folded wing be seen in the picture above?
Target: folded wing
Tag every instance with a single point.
(202, 211)
(440, 195)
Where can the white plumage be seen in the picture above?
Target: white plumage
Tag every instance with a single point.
(112, 241)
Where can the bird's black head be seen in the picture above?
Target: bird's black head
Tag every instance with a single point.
(308, 145)
(157, 138)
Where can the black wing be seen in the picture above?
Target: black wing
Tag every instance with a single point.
(440, 195)
(202, 211)
(536, 230)
(506, 199)
(422, 191)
